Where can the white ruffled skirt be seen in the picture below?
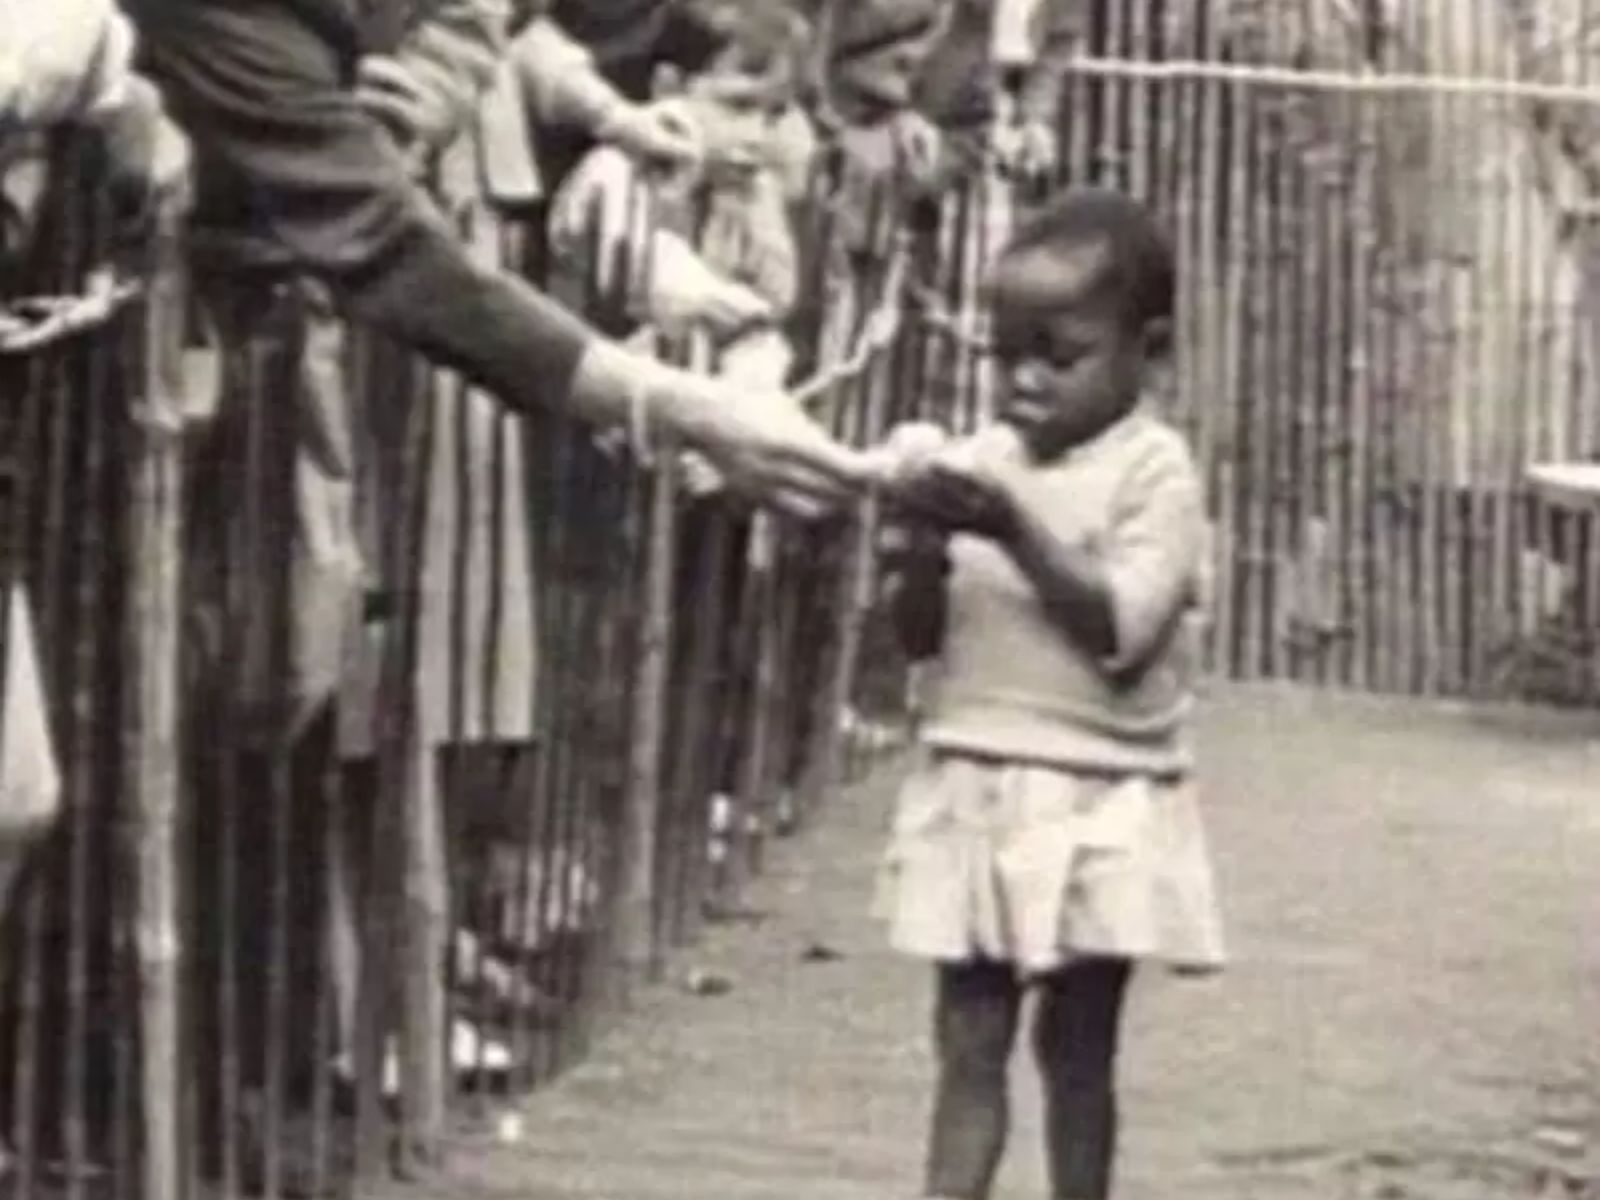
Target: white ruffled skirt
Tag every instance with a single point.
(1038, 865)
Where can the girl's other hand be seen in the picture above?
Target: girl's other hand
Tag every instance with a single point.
(960, 495)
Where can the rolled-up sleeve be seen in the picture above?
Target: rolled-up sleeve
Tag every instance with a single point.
(1153, 555)
(286, 156)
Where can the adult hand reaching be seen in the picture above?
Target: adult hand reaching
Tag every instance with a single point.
(762, 443)
(768, 450)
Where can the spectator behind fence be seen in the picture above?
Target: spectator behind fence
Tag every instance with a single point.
(718, 253)
(1052, 837)
(712, 247)
(62, 63)
(570, 99)
(291, 158)
(932, 70)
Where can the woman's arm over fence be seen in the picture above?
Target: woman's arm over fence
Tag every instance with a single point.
(287, 156)
(285, 151)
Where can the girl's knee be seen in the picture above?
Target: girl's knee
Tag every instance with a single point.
(1075, 1029)
(976, 1022)
(974, 1053)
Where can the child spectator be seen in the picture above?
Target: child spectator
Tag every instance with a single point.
(921, 66)
(1052, 838)
(716, 252)
(732, 205)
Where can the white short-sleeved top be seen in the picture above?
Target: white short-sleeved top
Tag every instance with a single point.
(1013, 683)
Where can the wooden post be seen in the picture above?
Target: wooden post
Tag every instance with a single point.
(408, 779)
(637, 943)
(150, 717)
(856, 580)
(700, 691)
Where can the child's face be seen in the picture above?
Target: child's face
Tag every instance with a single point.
(1069, 366)
(736, 110)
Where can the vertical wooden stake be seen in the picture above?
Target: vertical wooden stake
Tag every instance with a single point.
(150, 718)
(636, 906)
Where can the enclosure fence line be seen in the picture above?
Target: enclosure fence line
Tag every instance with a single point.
(1387, 260)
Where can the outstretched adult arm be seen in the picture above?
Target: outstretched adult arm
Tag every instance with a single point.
(285, 150)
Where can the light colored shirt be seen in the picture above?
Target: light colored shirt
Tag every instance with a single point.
(1012, 683)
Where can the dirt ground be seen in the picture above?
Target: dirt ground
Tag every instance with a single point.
(1413, 1009)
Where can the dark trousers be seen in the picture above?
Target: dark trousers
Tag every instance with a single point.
(978, 1011)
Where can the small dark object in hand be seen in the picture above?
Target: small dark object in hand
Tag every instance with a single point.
(819, 953)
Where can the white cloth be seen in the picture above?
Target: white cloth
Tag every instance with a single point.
(1036, 865)
(30, 774)
(62, 60)
(1014, 40)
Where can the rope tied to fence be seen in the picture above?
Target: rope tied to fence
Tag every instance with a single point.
(887, 321)
(935, 315)
(877, 332)
(32, 323)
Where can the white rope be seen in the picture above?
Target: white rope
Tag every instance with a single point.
(30, 324)
(1363, 83)
(878, 331)
(933, 313)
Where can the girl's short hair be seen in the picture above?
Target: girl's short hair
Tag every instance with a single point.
(1141, 274)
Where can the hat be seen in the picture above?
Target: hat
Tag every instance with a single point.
(866, 28)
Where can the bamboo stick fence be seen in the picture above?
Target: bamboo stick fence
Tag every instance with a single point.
(412, 736)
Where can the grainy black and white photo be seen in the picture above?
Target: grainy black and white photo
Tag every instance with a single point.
(800, 599)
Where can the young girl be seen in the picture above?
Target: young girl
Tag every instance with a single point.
(1052, 838)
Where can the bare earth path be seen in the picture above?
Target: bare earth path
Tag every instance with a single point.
(1414, 1007)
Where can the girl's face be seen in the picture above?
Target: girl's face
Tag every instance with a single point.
(1069, 366)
